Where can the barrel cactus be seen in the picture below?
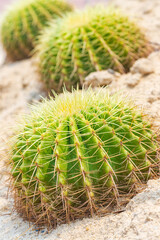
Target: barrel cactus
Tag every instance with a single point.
(76, 155)
(24, 21)
(88, 41)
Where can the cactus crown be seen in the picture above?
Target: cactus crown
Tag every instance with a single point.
(79, 153)
(83, 42)
(24, 21)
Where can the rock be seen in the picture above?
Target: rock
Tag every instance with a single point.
(133, 80)
(147, 9)
(101, 78)
(143, 66)
(35, 96)
(154, 95)
(3, 204)
(151, 99)
(2, 56)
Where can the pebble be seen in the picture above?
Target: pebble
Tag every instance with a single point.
(143, 66)
(133, 80)
(35, 96)
(3, 204)
(153, 95)
(101, 78)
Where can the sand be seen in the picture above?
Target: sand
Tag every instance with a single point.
(20, 86)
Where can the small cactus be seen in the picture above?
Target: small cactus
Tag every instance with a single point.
(24, 21)
(79, 153)
(84, 42)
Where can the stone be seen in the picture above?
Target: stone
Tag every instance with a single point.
(35, 96)
(3, 204)
(101, 78)
(153, 95)
(143, 66)
(133, 80)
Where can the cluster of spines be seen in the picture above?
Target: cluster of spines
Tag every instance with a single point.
(70, 51)
(23, 23)
(67, 167)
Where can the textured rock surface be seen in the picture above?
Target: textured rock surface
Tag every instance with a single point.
(18, 81)
(133, 80)
(101, 78)
(143, 66)
(145, 89)
(19, 86)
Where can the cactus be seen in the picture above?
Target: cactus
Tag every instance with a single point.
(76, 155)
(84, 42)
(24, 21)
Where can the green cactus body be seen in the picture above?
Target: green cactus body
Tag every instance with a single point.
(78, 154)
(23, 23)
(88, 41)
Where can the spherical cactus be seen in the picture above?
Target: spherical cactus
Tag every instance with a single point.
(23, 22)
(79, 153)
(84, 42)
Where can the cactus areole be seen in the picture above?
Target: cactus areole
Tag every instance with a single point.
(79, 153)
(83, 42)
(23, 22)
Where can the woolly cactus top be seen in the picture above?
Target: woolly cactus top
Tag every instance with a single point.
(83, 42)
(23, 22)
(79, 153)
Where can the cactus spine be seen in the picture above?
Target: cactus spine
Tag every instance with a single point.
(23, 23)
(84, 42)
(79, 153)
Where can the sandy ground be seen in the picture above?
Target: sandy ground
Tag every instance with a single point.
(19, 86)
(77, 3)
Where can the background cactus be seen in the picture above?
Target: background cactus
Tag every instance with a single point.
(23, 22)
(84, 42)
(77, 154)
